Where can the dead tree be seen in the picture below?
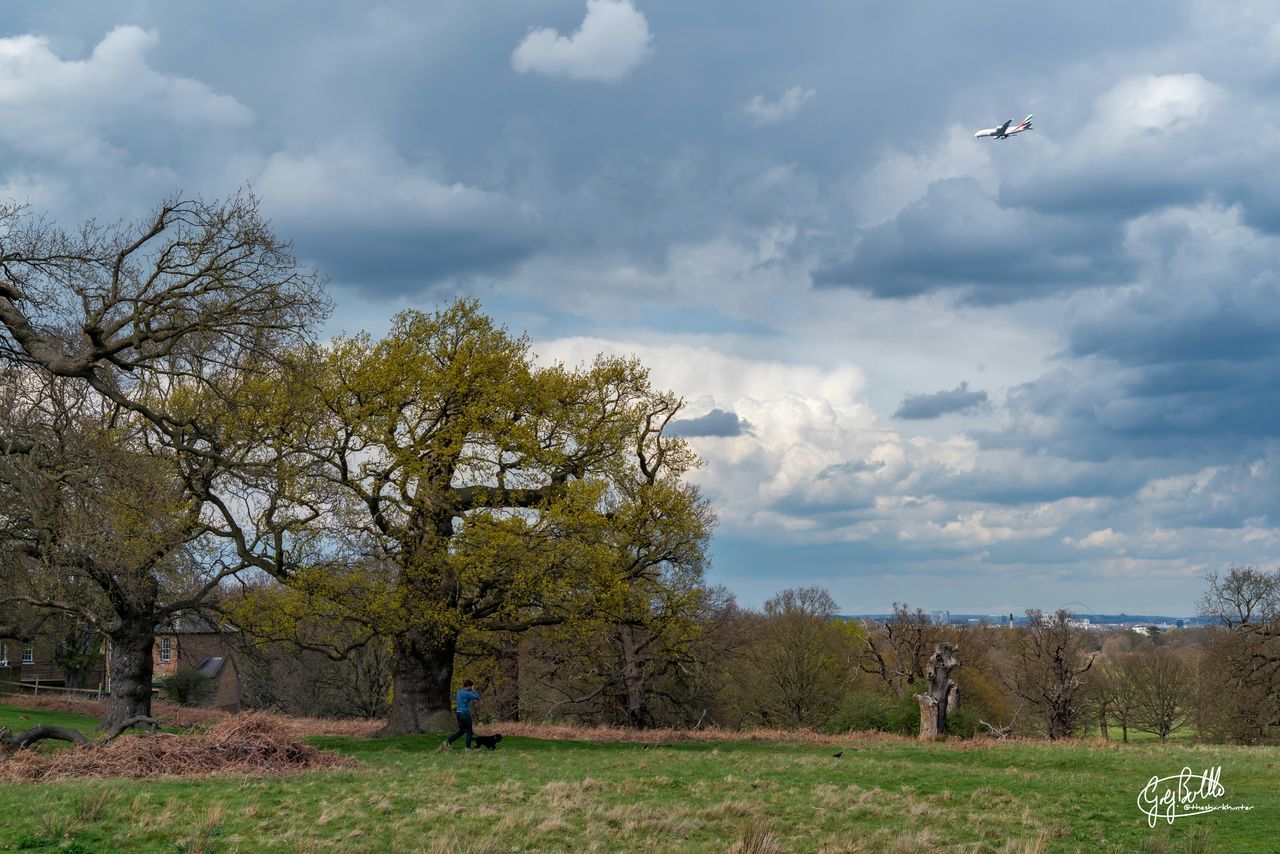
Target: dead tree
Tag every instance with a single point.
(1000, 733)
(940, 700)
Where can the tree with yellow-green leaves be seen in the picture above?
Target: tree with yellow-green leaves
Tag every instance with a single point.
(636, 642)
(459, 486)
(429, 483)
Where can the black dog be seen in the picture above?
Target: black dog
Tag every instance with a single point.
(489, 741)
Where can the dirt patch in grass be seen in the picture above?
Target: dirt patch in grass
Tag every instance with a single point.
(251, 743)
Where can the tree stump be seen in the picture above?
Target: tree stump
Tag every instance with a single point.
(940, 699)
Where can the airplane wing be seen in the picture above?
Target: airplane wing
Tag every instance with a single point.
(1000, 131)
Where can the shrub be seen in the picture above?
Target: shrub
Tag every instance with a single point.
(963, 722)
(876, 711)
(862, 710)
(188, 687)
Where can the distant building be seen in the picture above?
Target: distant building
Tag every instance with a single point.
(31, 662)
(196, 642)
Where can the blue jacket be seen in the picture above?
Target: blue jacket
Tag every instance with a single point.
(465, 698)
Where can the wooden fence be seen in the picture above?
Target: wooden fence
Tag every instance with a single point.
(52, 690)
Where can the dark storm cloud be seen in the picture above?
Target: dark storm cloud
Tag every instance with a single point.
(717, 422)
(643, 163)
(390, 262)
(840, 470)
(957, 238)
(924, 406)
(1183, 364)
(417, 156)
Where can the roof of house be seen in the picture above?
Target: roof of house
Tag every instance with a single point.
(212, 666)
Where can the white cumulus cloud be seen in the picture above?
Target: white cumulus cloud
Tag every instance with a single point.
(1150, 103)
(761, 111)
(75, 108)
(613, 39)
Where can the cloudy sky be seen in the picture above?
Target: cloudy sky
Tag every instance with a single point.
(920, 367)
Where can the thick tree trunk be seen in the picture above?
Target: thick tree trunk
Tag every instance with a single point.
(421, 678)
(633, 678)
(507, 702)
(940, 700)
(1060, 723)
(131, 671)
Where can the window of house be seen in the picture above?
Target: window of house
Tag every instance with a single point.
(28, 655)
(166, 649)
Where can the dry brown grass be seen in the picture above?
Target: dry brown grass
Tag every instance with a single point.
(171, 714)
(181, 716)
(252, 743)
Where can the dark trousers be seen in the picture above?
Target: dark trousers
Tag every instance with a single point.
(464, 728)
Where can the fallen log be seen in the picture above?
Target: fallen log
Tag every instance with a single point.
(999, 733)
(10, 743)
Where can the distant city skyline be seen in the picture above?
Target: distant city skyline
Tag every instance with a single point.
(919, 367)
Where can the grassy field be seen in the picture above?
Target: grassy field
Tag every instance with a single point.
(17, 719)
(536, 795)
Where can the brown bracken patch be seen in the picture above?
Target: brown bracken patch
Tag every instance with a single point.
(251, 743)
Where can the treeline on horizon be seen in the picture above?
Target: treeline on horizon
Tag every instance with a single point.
(796, 664)
(379, 517)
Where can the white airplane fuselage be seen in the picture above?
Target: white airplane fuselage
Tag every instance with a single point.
(1005, 130)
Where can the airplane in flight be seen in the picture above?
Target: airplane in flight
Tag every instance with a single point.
(1004, 131)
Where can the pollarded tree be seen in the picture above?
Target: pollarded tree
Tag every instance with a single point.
(898, 649)
(461, 486)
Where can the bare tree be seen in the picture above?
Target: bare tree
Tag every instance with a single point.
(1112, 696)
(1157, 683)
(797, 654)
(164, 320)
(1238, 695)
(897, 650)
(1048, 669)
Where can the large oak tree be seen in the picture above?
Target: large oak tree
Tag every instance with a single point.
(461, 486)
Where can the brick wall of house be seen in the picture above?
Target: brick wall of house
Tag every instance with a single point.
(189, 650)
(160, 668)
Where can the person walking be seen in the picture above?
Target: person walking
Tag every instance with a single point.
(466, 698)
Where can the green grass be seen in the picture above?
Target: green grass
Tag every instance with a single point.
(18, 719)
(533, 795)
